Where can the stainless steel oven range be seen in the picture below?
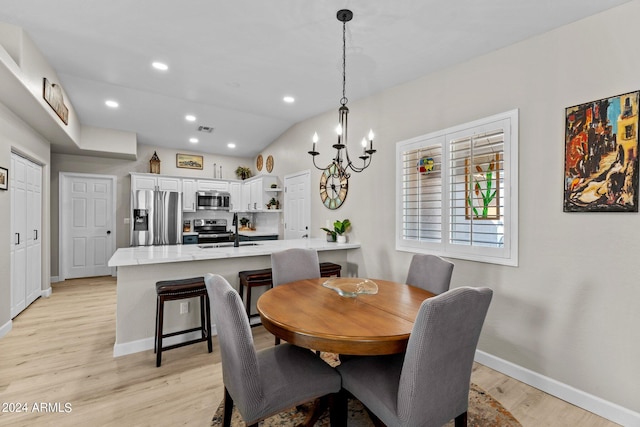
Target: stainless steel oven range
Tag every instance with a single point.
(212, 230)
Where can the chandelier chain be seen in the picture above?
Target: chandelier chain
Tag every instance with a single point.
(344, 99)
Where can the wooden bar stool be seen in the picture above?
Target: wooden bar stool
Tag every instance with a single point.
(329, 269)
(251, 279)
(171, 290)
(263, 277)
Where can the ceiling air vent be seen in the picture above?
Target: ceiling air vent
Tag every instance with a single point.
(207, 129)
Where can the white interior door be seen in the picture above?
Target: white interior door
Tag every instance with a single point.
(297, 205)
(26, 226)
(34, 232)
(18, 189)
(87, 224)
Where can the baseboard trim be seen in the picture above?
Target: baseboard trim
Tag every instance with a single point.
(6, 328)
(145, 344)
(46, 293)
(54, 279)
(609, 410)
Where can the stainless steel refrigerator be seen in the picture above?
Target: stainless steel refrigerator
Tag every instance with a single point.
(156, 218)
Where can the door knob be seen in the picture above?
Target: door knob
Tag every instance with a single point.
(108, 231)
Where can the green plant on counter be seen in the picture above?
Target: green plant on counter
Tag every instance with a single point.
(339, 228)
(244, 221)
(243, 172)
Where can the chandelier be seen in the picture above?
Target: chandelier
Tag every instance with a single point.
(341, 170)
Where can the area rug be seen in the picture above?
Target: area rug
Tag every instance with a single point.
(484, 410)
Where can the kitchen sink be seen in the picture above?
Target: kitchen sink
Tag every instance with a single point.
(226, 245)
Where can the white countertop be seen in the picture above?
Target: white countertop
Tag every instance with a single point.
(145, 255)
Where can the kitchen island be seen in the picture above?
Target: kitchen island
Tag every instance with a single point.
(139, 268)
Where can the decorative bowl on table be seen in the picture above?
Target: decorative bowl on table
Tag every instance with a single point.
(351, 287)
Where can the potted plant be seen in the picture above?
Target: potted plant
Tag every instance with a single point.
(243, 172)
(273, 204)
(331, 235)
(339, 228)
(244, 222)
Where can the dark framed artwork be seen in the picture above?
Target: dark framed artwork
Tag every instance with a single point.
(4, 179)
(601, 155)
(189, 161)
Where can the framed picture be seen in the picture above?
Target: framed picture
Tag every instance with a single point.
(601, 155)
(482, 187)
(4, 179)
(189, 161)
(52, 93)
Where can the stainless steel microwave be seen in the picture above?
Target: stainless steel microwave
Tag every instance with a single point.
(213, 200)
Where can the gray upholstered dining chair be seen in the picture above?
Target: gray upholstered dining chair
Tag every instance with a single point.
(294, 264)
(430, 272)
(429, 384)
(262, 383)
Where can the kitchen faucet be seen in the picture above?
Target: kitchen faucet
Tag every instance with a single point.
(236, 239)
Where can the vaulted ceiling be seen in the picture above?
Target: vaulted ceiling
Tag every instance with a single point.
(230, 63)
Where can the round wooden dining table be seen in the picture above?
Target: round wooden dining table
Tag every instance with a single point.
(307, 314)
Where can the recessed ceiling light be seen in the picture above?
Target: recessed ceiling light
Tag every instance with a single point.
(288, 99)
(160, 66)
(111, 104)
(190, 118)
(231, 145)
(193, 140)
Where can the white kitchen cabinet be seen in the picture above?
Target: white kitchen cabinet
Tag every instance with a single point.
(139, 182)
(189, 189)
(256, 195)
(155, 182)
(212, 185)
(235, 189)
(246, 197)
(258, 192)
(26, 225)
(169, 184)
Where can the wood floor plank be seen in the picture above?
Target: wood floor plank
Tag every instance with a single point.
(60, 351)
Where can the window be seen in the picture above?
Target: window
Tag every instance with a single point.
(457, 191)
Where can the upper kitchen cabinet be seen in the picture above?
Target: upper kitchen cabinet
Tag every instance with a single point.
(212, 185)
(235, 189)
(189, 188)
(146, 181)
(260, 191)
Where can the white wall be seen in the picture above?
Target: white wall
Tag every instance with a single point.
(570, 310)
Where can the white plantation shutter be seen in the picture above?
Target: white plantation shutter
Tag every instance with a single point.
(422, 195)
(477, 190)
(462, 203)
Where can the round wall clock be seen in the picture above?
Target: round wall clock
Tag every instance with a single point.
(269, 163)
(259, 162)
(333, 188)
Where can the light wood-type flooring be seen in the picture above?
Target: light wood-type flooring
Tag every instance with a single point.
(57, 367)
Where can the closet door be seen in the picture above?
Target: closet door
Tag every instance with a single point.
(18, 189)
(34, 228)
(26, 223)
